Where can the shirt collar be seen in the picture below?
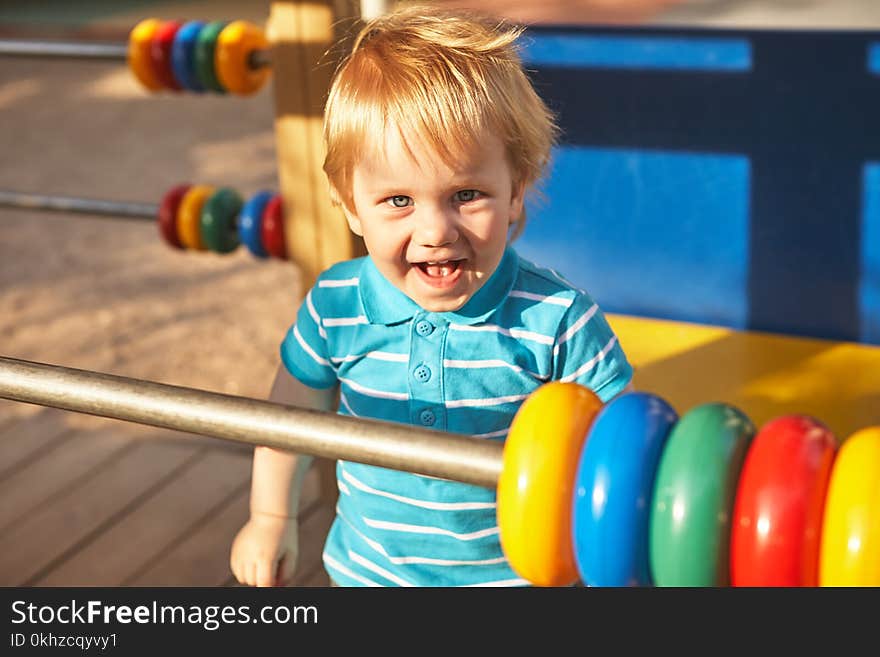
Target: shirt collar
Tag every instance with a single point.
(385, 304)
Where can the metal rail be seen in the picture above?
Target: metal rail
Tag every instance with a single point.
(94, 51)
(27, 201)
(241, 419)
(63, 50)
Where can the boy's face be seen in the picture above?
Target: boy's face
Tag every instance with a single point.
(437, 233)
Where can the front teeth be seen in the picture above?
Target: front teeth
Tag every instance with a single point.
(440, 262)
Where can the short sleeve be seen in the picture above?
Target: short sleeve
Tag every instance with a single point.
(587, 351)
(304, 350)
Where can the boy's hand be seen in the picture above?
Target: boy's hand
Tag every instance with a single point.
(264, 553)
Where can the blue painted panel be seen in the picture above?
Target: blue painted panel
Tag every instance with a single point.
(632, 52)
(658, 234)
(874, 58)
(869, 287)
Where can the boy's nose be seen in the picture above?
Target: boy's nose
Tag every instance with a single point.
(435, 228)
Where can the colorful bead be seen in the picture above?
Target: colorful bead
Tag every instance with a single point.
(139, 60)
(780, 497)
(160, 54)
(850, 552)
(273, 228)
(183, 56)
(614, 486)
(219, 220)
(167, 218)
(694, 495)
(234, 46)
(189, 217)
(206, 46)
(250, 221)
(536, 485)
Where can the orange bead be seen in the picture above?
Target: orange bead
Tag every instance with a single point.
(231, 58)
(139, 58)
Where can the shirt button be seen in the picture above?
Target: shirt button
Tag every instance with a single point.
(422, 373)
(427, 417)
(424, 328)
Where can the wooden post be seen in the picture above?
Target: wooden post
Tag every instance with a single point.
(307, 40)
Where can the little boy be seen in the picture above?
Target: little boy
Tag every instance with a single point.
(433, 134)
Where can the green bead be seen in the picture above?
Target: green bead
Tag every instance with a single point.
(206, 45)
(220, 220)
(694, 493)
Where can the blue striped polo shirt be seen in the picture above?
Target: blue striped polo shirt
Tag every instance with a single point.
(466, 372)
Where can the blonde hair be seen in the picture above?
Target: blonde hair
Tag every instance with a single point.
(443, 76)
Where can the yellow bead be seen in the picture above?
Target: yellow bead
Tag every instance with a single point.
(189, 217)
(850, 553)
(536, 485)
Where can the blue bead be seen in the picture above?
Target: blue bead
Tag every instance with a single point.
(250, 222)
(614, 486)
(183, 53)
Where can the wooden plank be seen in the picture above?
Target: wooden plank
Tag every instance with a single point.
(29, 439)
(143, 536)
(312, 536)
(58, 473)
(319, 578)
(202, 557)
(44, 538)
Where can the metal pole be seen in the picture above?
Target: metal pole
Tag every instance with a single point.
(75, 204)
(241, 419)
(97, 51)
(19, 48)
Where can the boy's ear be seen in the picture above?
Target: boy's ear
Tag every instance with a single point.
(353, 222)
(517, 195)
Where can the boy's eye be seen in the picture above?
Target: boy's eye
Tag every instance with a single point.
(466, 195)
(399, 201)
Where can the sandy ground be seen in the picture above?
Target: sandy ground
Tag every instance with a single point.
(107, 294)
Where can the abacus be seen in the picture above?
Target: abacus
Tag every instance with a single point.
(618, 494)
(196, 56)
(188, 217)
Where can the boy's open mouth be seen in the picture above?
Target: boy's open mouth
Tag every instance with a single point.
(441, 274)
(440, 269)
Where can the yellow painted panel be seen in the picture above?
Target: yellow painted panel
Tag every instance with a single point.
(765, 375)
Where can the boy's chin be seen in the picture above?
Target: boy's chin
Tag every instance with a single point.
(441, 305)
(436, 300)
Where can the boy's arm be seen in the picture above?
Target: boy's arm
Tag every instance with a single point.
(264, 553)
(278, 474)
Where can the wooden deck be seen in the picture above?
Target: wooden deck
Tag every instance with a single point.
(91, 502)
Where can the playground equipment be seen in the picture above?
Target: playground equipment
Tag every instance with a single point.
(565, 510)
(609, 515)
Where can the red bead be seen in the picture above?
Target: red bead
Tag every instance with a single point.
(160, 53)
(780, 501)
(168, 215)
(272, 231)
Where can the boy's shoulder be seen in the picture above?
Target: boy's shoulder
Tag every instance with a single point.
(347, 270)
(337, 287)
(535, 279)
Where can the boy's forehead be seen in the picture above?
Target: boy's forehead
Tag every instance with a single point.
(396, 152)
